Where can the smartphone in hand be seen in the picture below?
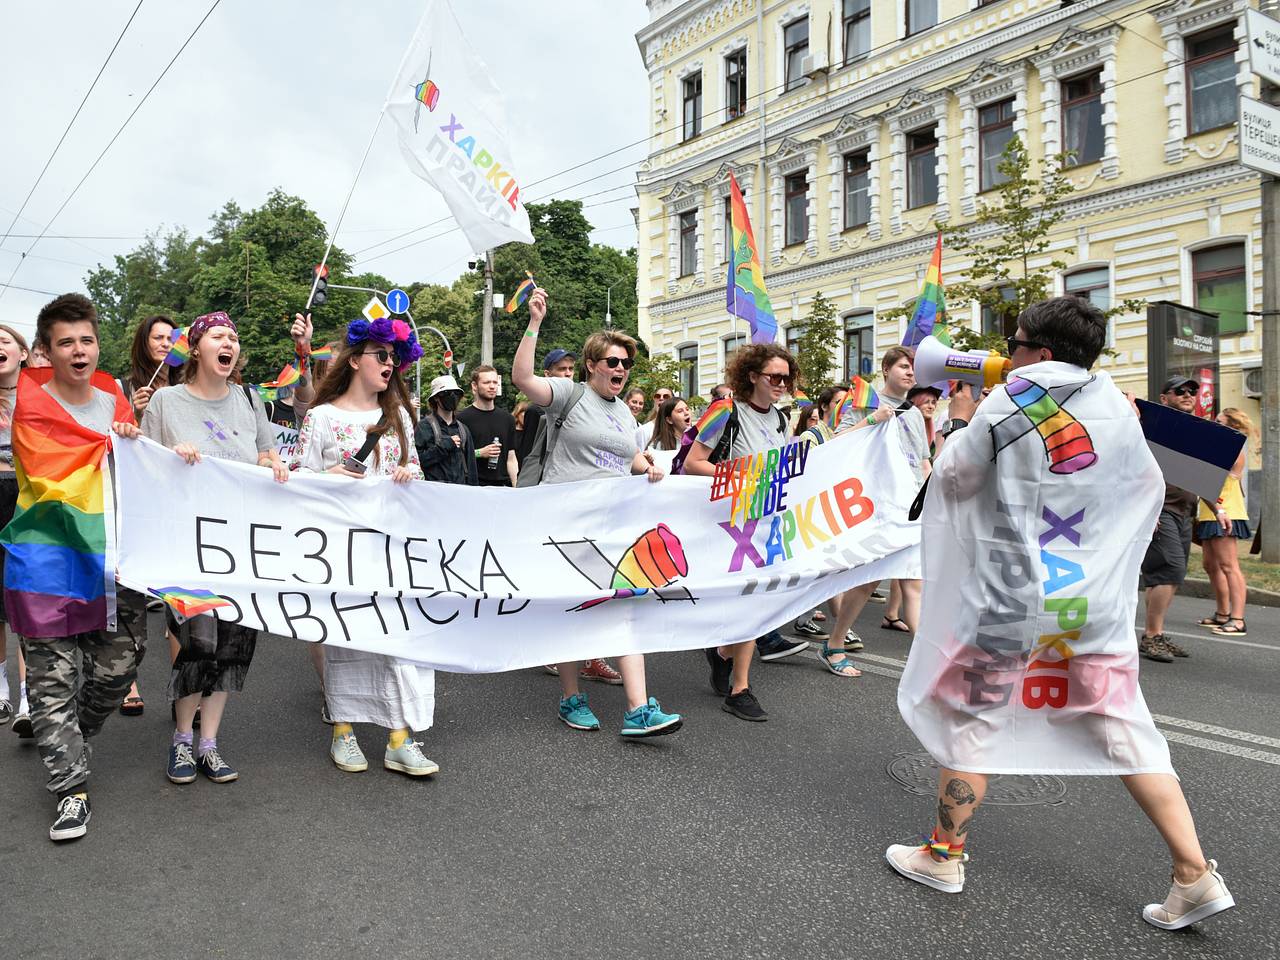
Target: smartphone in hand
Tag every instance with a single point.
(354, 465)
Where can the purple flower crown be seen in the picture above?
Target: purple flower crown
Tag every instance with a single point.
(398, 334)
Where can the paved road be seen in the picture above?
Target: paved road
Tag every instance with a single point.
(725, 840)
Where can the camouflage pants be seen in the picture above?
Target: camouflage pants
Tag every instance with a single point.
(74, 684)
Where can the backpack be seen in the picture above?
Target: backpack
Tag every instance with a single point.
(544, 442)
(463, 432)
(724, 445)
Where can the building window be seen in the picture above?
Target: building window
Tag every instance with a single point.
(732, 344)
(1004, 324)
(796, 208)
(859, 346)
(921, 15)
(735, 84)
(922, 168)
(692, 106)
(1092, 284)
(795, 42)
(995, 130)
(857, 189)
(794, 333)
(688, 242)
(728, 226)
(1211, 80)
(1219, 278)
(857, 29)
(688, 357)
(1082, 118)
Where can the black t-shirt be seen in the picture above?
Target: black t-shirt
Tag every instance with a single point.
(485, 425)
(524, 439)
(283, 414)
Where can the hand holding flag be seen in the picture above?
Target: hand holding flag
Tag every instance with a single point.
(526, 287)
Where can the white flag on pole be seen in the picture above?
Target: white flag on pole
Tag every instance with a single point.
(452, 127)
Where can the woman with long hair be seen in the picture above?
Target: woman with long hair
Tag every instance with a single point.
(207, 416)
(645, 428)
(359, 426)
(13, 356)
(669, 425)
(596, 440)
(807, 419)
(1219, 526)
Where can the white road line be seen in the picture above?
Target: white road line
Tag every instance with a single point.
(1242, 735)
(1215, 639)
(1231, 749)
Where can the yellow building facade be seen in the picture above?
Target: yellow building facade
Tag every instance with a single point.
(856, 127)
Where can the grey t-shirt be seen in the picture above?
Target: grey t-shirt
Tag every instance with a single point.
(97, 414)
(233, 428)
(598, 438)
(757, 432)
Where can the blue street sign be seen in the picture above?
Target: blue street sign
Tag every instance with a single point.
(398, 301)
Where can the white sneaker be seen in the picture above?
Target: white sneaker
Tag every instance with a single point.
(346, 754)
(408, 759)
(1191, 902)
(915, 863)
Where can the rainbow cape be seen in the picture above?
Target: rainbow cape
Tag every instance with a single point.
(187, 602)
(745, 295)
(59, 577)
(522, 292)
(861, 396)
(931, 304)
(179, 350)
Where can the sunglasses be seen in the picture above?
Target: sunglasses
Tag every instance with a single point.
(1014, 343)
(612, 362)
(383, 356)
(778, 379)
(1186, 391)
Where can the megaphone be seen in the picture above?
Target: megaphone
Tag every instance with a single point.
(935, 362)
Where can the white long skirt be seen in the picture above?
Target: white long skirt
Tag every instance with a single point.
(370, 688)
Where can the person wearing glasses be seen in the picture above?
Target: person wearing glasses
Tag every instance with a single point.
(750, 422)
(596, 440)
(1165, 565)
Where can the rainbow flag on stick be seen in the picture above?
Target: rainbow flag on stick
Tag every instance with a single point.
(188, 603)
(861, 397)
(323, 353)
(802, 399)
(59, 577)
(286, 378)
(931, 304)
(745, 295)
(179, 350)
(526, 287)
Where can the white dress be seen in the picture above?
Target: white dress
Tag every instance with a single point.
(366, 687)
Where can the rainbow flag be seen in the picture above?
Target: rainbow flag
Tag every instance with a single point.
(802, 400)
(526, 287)
(745, 295)
(323, 353)
(714, 419)
(188, 603)
(59, 577)
(179, 350)
(861, 396)
(931, 304)
(286, 378)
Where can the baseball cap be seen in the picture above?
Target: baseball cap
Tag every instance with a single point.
(443, 384)
(1176, 382)
(555, 356)
(924, 388)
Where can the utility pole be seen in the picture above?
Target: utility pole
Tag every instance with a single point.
(486, 325)
(1270, 514)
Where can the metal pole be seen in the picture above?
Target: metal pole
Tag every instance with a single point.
(486, 324)
(1270, 513)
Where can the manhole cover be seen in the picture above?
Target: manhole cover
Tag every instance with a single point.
(918, 774)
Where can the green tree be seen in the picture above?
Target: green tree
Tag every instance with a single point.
(816, 346)
(658, 370)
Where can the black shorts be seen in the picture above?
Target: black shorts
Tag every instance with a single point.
(1166, 561)
(8, 506)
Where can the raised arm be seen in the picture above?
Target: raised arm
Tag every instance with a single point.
(527, 382)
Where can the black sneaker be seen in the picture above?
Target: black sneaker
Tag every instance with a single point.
(721, 670)
(22, 725)
(745, 706)
(1154, 648)
(878, 597)
(73, 818)
(808, 627)
(774, 646)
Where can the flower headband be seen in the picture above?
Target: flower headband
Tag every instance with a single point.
(396, 333)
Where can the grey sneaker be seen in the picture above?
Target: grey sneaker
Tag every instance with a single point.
(408, 759)
(346, 754)
(809, 628)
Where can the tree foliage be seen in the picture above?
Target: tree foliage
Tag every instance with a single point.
(817, 345)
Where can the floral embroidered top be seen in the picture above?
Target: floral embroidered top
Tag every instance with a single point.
(329, 435)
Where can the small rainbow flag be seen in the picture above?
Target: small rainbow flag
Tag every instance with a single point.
(802, 400)
(179, 350)
(323, 353)
(522, 292)
(861, 396)
(931, 304)
(286, 378)
(745, 295)
(188, 603)
(59, 578)
(427, 94)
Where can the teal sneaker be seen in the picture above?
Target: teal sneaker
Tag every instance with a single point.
(648, 720)
(409, 760)
(575, 712)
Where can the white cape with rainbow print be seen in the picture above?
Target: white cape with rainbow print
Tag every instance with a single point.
(1036, 521)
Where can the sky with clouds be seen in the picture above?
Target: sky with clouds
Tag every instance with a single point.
(284, 93)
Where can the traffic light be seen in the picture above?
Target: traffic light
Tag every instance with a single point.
(319, 294)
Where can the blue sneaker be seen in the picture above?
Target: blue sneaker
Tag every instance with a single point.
(648, 720)
(575, 712)
(182, 765)
(215, 768)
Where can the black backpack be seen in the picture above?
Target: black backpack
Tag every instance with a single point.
(724, 445)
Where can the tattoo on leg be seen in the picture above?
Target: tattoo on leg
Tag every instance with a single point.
(964, 827)
(960, 791)
(944, 816)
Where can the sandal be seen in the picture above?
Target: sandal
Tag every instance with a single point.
(1231, 630)
(888, 624)
(1217, 620)
(132, 706)
(840, 666)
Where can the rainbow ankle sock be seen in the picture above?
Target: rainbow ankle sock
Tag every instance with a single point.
(955, 851)
(939, 848)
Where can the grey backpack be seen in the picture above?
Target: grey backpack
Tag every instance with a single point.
(544, 442)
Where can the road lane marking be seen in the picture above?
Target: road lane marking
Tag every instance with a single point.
(1216, 639)
(1231, 749)
(1226, 732)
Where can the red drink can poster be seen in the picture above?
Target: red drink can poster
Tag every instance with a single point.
(1205, 398)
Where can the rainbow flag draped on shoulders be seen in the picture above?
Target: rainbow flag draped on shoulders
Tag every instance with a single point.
(59, 576)
(931, 307)
(745, 295)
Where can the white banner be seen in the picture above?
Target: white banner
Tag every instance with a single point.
(473, 579)
(452, 126)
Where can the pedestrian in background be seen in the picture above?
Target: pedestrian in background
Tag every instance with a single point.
(1220, 526)
(493, 429)
(446, 448)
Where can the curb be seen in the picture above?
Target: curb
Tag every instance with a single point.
(1192, 587)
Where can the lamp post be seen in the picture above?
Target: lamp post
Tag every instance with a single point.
(608, 304)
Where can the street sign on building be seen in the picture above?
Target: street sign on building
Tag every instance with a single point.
(1264, 45)
(1260, 136)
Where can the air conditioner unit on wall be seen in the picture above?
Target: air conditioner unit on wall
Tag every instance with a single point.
(814, 63)
(1251, 382)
